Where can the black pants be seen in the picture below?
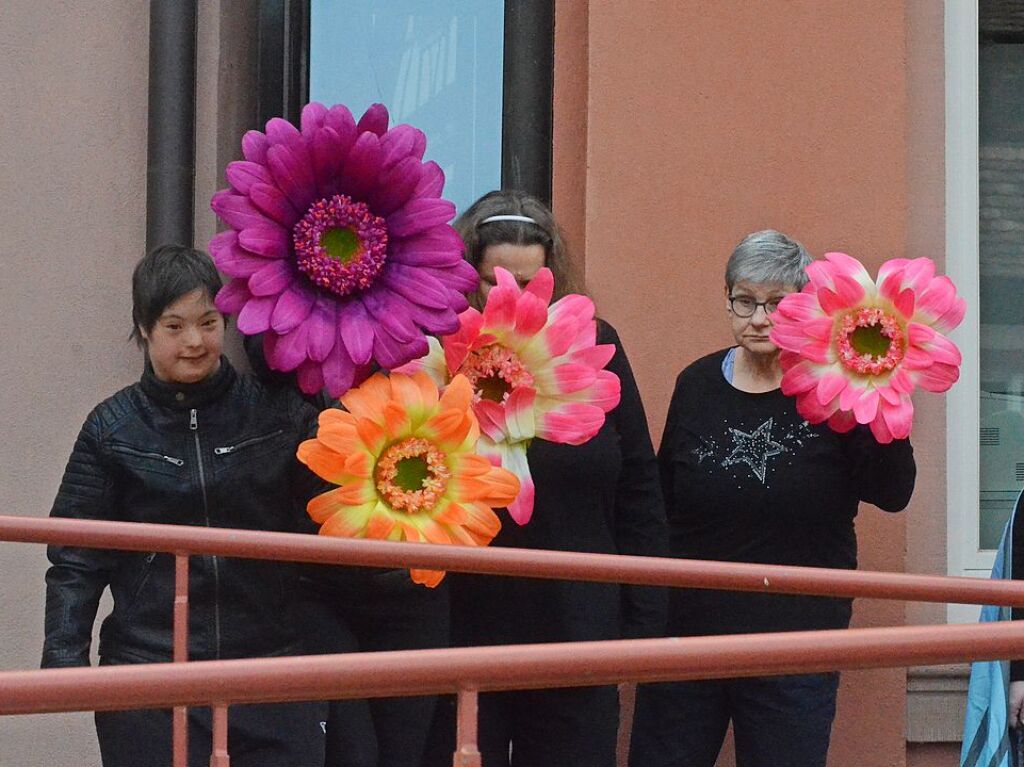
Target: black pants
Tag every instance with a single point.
(573, 727)
(783, 721)
(383, 610)
(264, 735)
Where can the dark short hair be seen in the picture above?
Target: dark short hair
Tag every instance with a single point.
(545, 232)
(164, 275)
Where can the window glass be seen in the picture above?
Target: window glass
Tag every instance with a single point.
(435, 65)
(1001, 265)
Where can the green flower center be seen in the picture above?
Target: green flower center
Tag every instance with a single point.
(410, 473)
(869, 339)
(342, 244)
(870, 342)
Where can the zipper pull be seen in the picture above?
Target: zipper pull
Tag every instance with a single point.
(193, 421)
(224, 450)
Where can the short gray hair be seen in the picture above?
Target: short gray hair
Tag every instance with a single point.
(768, 256)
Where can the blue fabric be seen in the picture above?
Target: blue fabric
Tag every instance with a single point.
(986, 741)
(729, 364)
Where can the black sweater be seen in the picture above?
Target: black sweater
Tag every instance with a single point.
(746, 479)
(601, 496)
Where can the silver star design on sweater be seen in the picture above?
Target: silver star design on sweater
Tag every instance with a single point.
(754, 449)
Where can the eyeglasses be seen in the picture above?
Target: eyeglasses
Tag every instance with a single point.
(745, 306)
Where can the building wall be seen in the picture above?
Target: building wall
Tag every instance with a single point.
(72, 224)
(679, 128)
(72, 227)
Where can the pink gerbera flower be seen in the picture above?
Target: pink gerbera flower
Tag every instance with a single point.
(536, 371)
(854, 351)
(339, 246)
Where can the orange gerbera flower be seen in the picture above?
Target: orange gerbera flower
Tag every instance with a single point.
(404, 459)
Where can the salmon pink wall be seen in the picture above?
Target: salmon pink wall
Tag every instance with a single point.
(682, 126)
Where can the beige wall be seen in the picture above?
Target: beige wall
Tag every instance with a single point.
(72, 224)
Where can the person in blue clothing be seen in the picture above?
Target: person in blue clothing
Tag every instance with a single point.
(191, 443)
(747, 479)
(993, 722)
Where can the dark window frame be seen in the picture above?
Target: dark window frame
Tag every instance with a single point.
(528, 82)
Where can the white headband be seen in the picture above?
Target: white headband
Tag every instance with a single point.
(508, 217)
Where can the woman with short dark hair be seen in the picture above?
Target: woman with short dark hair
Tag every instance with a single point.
(191, 443)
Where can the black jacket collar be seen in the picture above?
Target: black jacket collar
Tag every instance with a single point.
(186, 396)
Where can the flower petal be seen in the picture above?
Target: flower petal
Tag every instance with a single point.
(293, 173)
(242, 174)
(268, 241)
(231, 258)
(254, 147)
(361, 168)
(236, 210)
(419, 215)
(272, 279)
(375, 119)
(313, 116)
(322, 328)
(338, 370)
(232, 297)
(273, 202)
(254, 317)
(292, 307)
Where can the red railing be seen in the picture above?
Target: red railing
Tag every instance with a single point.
(469, 670)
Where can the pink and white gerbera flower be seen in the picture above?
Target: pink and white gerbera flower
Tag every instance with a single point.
(536, 371)
(854, 350)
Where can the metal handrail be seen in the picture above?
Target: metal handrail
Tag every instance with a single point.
(468, 670)
(425, 672)
(526, 563)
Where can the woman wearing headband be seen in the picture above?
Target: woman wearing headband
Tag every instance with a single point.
(601, 496)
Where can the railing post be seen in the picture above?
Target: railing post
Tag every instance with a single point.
(180, 731)
(219, 756)
(466, 752)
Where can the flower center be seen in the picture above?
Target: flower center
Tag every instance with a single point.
(494, 371)
(412, 475)
(340, 245)
(870, 342)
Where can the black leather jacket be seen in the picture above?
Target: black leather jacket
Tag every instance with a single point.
(220, 453)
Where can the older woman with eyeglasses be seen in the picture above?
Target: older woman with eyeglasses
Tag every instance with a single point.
(747, 479)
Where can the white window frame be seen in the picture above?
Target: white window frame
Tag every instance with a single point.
(963, 417)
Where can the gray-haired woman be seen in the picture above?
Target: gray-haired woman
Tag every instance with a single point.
(747, 479)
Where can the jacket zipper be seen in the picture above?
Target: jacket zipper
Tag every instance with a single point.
(146, 454)
(245, 443)
(193, 425)
(140, 582)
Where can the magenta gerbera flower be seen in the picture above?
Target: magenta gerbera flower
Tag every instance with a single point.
(854, 351)
(339, 248)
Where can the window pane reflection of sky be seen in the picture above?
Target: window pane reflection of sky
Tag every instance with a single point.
(434, 65)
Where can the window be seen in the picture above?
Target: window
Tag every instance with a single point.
(985, 256)
(475, 75)
(1001, 263)
(437, 66)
